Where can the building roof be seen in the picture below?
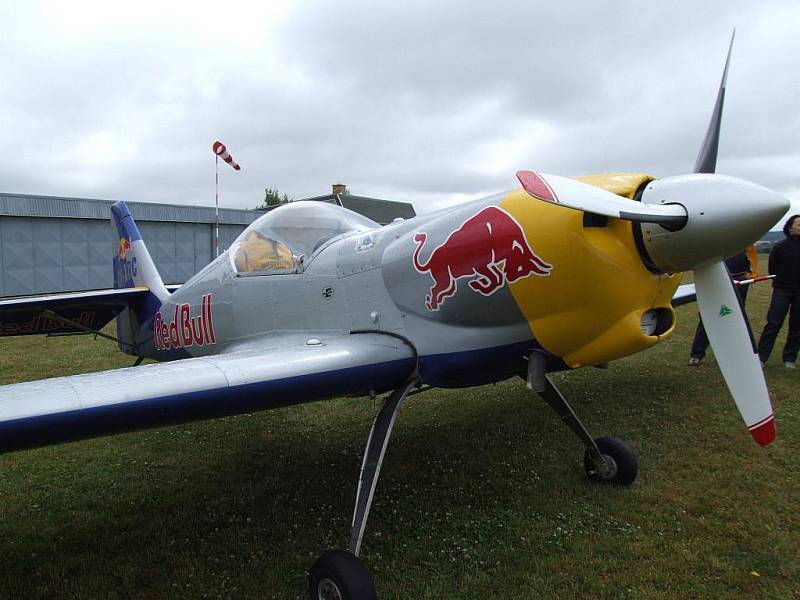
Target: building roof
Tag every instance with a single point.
(380, 211)
(26, 205)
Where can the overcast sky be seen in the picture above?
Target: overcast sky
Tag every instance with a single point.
(429, 102)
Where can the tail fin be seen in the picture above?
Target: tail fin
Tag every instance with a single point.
(133, 267)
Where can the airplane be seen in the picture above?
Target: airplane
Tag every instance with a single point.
(313, 301)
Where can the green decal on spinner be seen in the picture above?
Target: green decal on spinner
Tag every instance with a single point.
(724, 311)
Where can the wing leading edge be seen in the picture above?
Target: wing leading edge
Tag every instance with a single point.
(267, 374)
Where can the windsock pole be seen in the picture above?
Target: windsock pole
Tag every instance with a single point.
(219, 149)
(216, 206)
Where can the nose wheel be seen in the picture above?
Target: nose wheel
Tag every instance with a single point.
(607, 460)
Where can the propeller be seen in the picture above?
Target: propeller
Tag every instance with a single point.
(691, 223)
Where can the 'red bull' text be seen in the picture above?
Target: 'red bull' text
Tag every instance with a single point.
(41, 324)
(185, 329)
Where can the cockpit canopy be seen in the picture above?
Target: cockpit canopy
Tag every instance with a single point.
(275, 243)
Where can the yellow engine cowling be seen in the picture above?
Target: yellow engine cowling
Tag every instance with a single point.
(589, 309)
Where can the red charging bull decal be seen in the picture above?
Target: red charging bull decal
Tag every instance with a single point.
(184, 329)
(124, 248)
(491, 245)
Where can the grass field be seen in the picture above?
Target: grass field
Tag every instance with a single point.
(482, 494)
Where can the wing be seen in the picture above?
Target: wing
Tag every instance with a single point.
(66, 312)
(684, 295)
(267, 373)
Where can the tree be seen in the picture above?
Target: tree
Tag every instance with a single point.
(272, 198)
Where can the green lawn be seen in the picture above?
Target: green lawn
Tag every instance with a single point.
(482, 494)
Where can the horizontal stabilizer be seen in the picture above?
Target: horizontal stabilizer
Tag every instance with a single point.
(52, 313)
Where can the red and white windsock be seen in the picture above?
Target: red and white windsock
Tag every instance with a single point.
(221, 151)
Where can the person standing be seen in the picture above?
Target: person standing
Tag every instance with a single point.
(784, 263)
(739, 268)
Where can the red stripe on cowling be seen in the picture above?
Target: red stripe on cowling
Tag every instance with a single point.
(763, 432)
(536, 186)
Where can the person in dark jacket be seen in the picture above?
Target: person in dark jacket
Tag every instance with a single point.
(784, 263)
(739, 268)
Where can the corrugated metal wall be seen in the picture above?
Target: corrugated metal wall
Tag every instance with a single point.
(63, 244)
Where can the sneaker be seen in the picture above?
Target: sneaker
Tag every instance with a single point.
(789, 365)
(694, 362)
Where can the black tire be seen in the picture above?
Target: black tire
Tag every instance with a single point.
(623, 462)
(340, 575)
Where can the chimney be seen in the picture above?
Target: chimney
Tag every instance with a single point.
(340, 188)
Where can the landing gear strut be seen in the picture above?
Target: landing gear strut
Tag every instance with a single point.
(607, 460)
(341, 575)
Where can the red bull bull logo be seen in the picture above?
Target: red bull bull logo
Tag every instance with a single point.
(124, 249)
(491, 246)
(185, 330)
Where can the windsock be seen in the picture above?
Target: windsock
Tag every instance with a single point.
(221, 151)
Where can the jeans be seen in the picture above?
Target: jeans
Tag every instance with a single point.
(783, 301)
(700, 343)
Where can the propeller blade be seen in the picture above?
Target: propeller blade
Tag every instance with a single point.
(707, 158)
(734, 349)
(581, 196)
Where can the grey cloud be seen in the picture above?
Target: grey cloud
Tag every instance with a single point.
(420, 102)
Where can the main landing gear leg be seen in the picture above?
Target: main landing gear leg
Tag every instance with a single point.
(341, 575)
(607, 460)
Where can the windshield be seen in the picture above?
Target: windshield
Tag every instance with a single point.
(274, 243)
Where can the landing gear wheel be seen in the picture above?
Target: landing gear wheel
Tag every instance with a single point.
(340, 575)
(621, 463)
